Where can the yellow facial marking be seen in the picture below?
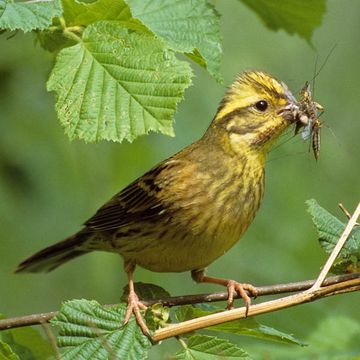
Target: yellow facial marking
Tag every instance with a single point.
(251, 87)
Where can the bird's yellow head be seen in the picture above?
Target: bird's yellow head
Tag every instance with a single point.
(256, 109)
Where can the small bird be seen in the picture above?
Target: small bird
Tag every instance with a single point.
(193, 207)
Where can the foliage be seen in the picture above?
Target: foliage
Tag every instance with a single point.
(24, 344)
(329, 230)
(188, 27)
(28, 16)
(116, 76)
(89, 330)
(117, 87)
(300, 17)
(247, 327)
(86, 327)
(6, 352)
(203, 347)
(326, 342)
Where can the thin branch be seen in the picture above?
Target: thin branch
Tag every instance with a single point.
(52, 340)
(37, 319)
(344, 210)
(262, 308)
(339, 245)
(28, 320)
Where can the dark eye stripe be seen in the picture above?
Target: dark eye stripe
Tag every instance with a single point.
(236, 112)
(249, 128)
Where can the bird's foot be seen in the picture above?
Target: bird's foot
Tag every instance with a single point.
(241, 289)
(232, 287)
(134, 306)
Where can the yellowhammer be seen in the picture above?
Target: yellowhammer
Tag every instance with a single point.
(193, 207)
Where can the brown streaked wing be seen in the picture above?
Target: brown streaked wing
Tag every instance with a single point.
(137, 202)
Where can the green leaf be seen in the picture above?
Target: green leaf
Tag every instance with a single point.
(250, 327)
(54, 40)
(329, 230)
(6, 353)
(157, 316)
(188, 26)
(81, 13)
(202, 347)
(27, 343)
(92, 331)
(335, 338)
(116, 85)
(145, 291)
(188, 312)
(247, 327)
(300, 17)
(28, 16)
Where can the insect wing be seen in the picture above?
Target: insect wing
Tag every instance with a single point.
(305, 134)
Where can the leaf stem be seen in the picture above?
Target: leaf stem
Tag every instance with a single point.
(62, 22)
(182, 342)
(69, 32)
(70, 35)
(78, 29)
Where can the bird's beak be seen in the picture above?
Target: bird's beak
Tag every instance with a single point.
(290, 112)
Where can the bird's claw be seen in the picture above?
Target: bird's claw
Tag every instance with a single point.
(242, 290)
(133, 307)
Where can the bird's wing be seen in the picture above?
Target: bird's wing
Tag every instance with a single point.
(139, 201)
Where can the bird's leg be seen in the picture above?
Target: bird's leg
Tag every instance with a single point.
(231, 285)
(134, 304)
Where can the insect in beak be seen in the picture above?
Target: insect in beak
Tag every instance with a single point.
(307, 117)
(315, 137)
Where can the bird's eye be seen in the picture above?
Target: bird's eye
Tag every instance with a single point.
(261, 105)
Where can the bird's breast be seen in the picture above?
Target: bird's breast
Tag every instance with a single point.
(206, 209)
(233, 200)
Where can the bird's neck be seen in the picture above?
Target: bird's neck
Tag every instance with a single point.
(235, 145)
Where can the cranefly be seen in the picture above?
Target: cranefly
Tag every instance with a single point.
(307, 116)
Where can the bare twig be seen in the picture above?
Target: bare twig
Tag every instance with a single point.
(52, 340)
(37, 319)
(339, 245)
(265, 307)
(344, 210)
(28, 320)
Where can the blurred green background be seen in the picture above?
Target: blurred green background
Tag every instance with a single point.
(49, 186)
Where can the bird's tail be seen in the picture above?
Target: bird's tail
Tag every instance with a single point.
(53, 256)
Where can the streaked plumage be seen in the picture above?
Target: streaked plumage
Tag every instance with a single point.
(193, 207)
